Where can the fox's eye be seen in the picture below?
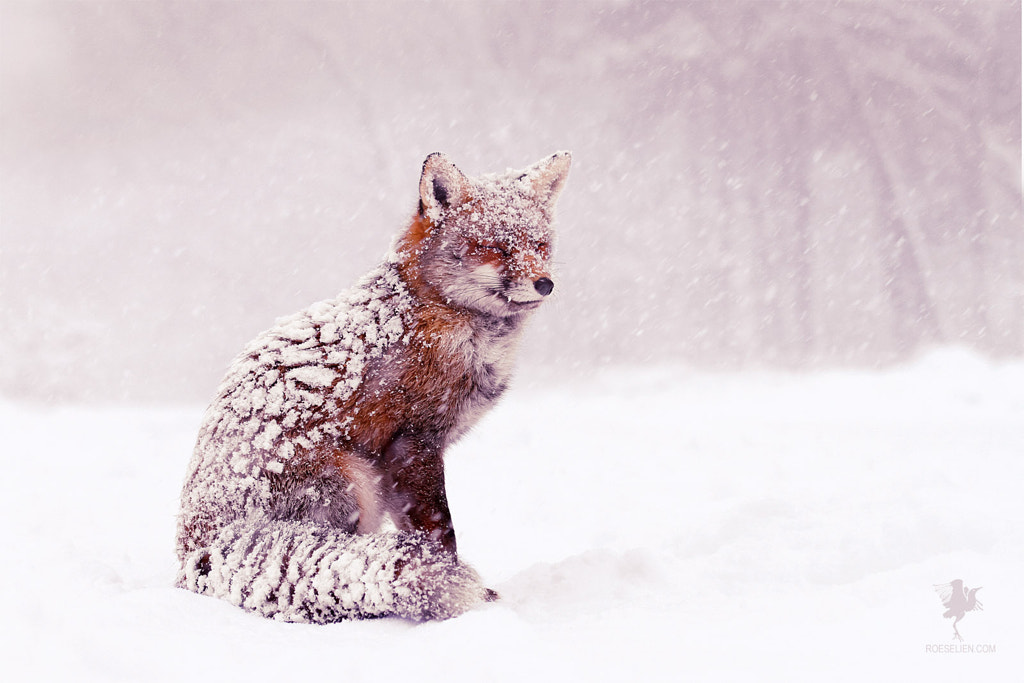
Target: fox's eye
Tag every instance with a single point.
(500, 251)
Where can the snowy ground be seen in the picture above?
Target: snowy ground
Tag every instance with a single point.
(649, 525)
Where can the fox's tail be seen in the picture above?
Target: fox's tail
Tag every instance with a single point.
(306, 572)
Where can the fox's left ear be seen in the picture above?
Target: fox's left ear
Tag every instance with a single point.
(547, 177)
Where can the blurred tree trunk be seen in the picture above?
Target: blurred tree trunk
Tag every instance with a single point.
(901, 249)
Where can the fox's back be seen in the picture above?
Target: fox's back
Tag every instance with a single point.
(282, 401)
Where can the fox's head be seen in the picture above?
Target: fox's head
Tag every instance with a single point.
(485, 244)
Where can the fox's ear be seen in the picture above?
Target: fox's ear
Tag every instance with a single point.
(442, 185)
(547, 177)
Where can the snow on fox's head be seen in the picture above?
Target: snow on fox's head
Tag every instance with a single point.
(485, 243)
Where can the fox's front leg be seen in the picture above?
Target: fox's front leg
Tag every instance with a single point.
(414, 484)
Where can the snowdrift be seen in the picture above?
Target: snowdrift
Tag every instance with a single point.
(651, 524)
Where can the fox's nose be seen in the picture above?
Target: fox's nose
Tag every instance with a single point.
(544, 286)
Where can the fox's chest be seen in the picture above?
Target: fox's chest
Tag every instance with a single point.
(489, 366)
(476, 366)
(488, 358)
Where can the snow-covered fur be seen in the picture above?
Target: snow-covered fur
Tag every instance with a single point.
(335, 421)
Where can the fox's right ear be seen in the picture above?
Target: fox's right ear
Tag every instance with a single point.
(442, 186)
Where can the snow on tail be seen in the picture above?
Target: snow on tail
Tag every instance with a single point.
(307, 572)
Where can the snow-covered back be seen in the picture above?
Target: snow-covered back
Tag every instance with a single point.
(278, 380)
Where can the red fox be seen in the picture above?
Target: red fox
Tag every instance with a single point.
(336, 419)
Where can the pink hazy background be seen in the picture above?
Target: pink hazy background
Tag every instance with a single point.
(755, 184)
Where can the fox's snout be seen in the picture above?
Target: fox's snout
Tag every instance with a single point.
(544, 286)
